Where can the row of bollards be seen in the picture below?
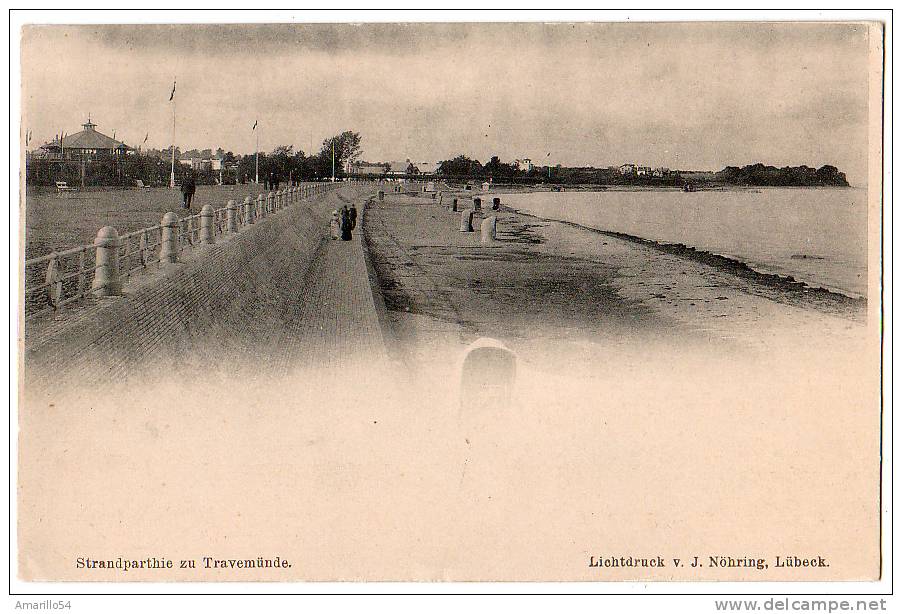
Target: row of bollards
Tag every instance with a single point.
(488, 227)
(107, 279)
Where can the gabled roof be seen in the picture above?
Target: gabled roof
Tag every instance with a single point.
(425, 168)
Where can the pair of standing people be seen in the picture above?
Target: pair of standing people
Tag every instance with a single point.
(343, 222)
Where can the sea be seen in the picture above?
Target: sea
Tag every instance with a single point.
(816, 235)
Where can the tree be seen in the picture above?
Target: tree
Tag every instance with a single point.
(498, 170)
(462, 167)
(347, 149)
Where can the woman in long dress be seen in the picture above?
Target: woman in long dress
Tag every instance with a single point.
(345, 224)
(335, 225)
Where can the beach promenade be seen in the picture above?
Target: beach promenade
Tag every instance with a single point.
(272, 298)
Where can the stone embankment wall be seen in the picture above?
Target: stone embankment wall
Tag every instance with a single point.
(222, 307)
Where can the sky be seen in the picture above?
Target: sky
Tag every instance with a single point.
(690, 96)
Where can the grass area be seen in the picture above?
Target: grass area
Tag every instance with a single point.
(55, 222)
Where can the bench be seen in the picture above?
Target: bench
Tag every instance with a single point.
(62, 186)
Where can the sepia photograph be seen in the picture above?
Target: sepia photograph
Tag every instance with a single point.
(425, 301)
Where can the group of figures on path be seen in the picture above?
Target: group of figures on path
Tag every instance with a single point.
(343, 222)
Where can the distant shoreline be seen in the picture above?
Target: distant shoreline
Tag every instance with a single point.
(513, 188)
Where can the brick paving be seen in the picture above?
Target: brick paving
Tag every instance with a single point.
(337, 324)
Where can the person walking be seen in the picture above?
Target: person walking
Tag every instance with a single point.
(352, 213)
(345, 224)
(188, 189)
(335, 225)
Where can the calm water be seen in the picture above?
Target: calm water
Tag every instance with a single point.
(818, 236)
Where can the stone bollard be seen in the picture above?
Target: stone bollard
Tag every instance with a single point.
(269, 204)
(231, 217)
(261, 206)
(466, 221)
(454, 205)
(248, 210)
(477, 203)
(381, 195)
(496, 203)
(169, 239)
(487, 378)
(488, 229)
(106, 264)
(206, 225)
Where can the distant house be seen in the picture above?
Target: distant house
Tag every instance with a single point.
(628, 169)
(643, 171)
(199, 164)
(398, 168)
(87, 144)
(524, 165)
(661, 172)
(417, 168)
(367, 169)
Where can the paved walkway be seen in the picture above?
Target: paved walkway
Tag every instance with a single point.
(338, 324)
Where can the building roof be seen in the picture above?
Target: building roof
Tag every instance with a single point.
(88, 138)
(368, 169)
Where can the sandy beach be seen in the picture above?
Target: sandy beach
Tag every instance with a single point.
(545, 281)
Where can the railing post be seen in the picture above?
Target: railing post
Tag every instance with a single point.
(53, 281)
(248, 211)
(231, 217)
(82, 278)
(169, 239)
(142, 249)
(206, 224)
(261, 206)
(106, 263)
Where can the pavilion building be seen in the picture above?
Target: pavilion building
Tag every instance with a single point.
(89, 144)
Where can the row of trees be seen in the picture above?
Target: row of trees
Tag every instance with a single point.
(463, 168)
(761, 175)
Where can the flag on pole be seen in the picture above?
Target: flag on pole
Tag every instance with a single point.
(145, 137)
(172, 95)
(255, 125)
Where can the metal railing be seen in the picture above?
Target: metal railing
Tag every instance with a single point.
(60, 278)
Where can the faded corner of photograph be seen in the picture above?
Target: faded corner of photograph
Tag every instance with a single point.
(323, 302)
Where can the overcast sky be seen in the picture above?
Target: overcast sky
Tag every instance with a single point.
(686, 96)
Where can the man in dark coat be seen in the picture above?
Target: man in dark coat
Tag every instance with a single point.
(188, 189)
(352, 213)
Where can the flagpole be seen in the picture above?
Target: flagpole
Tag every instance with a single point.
(333, 159)
(172, 167)
(257, 155)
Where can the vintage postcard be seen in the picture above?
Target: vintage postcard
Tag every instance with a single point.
(528, 302)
